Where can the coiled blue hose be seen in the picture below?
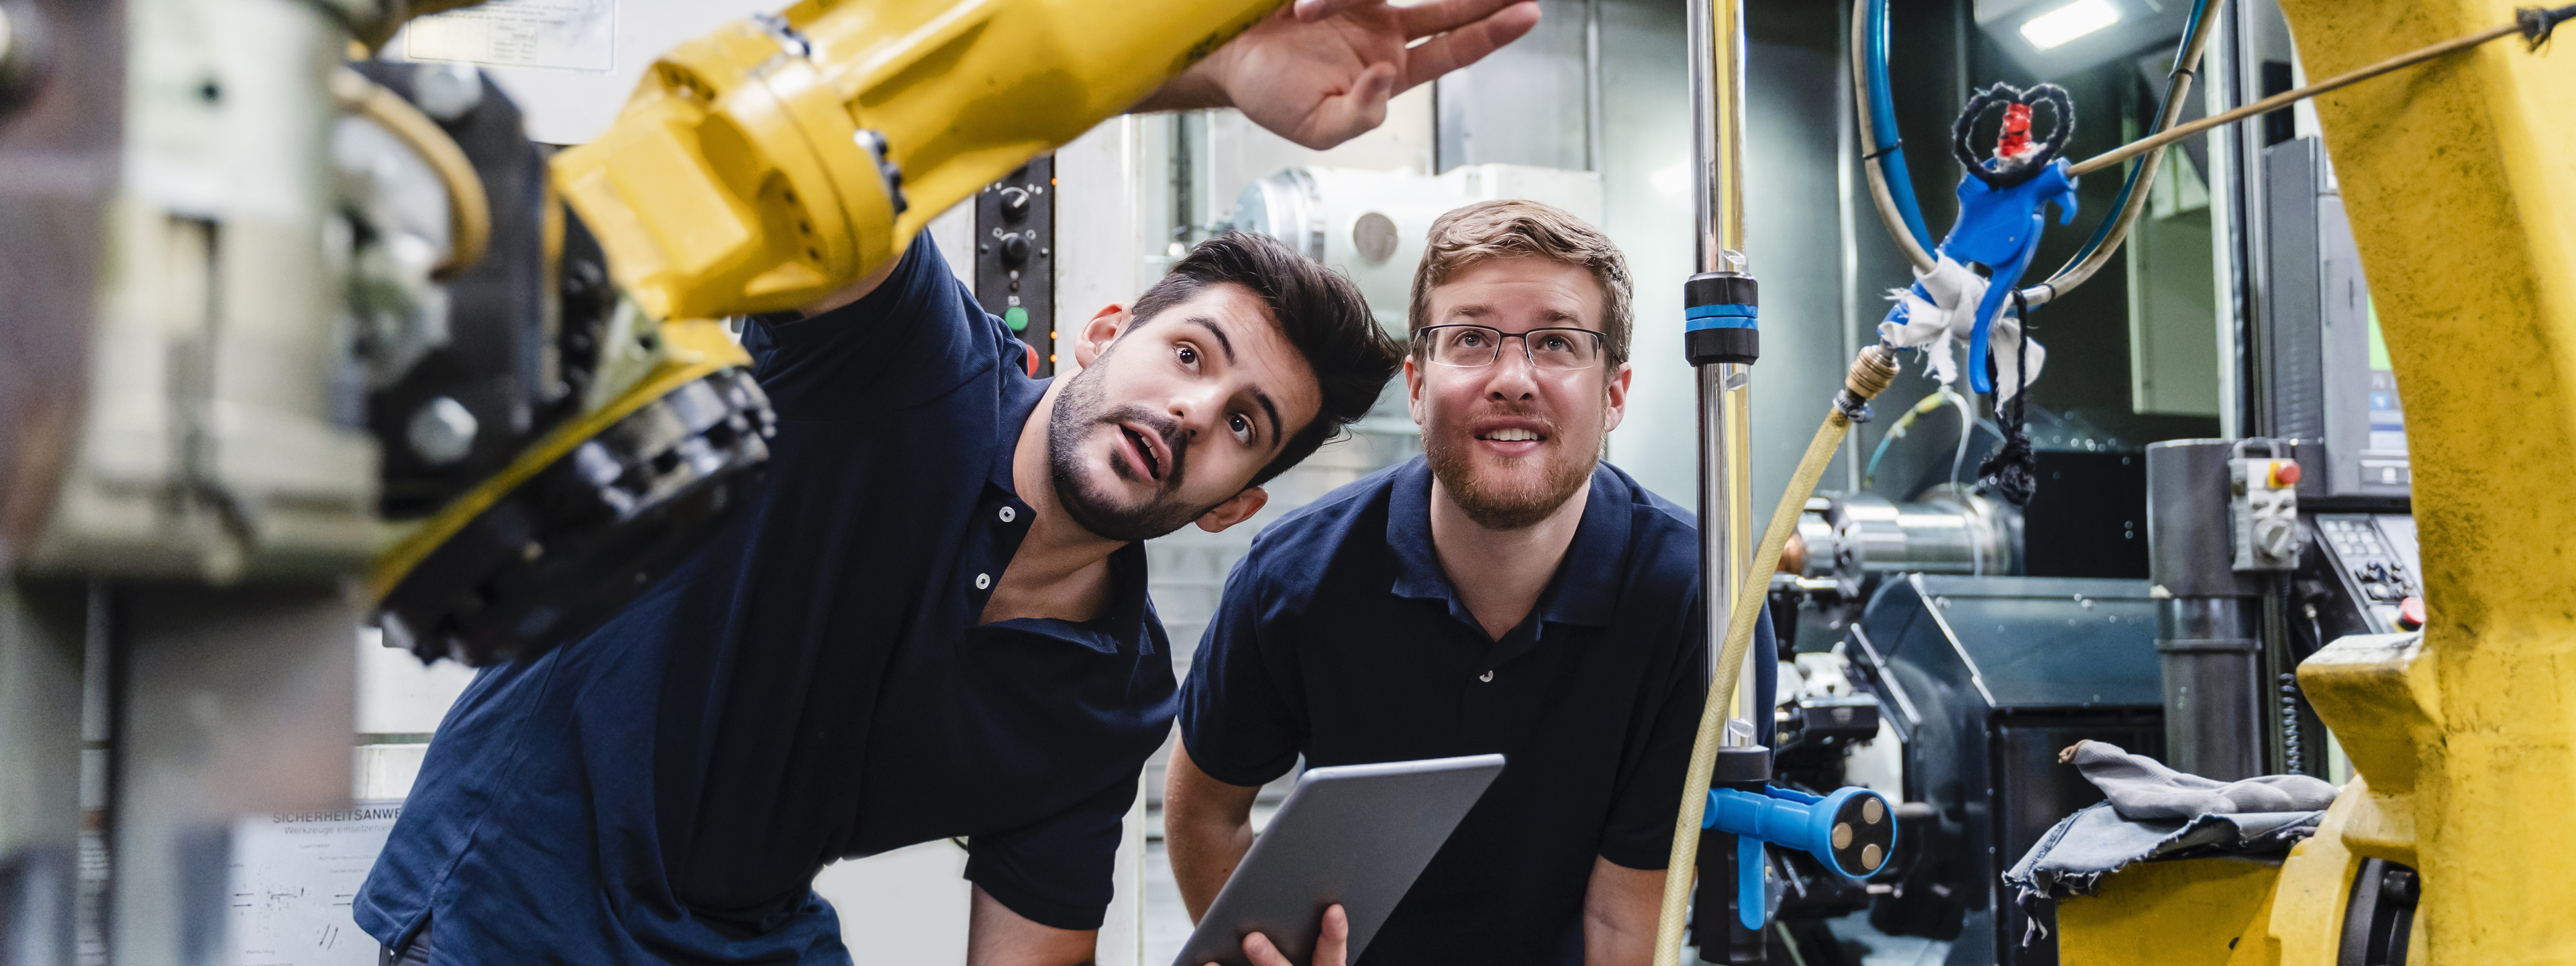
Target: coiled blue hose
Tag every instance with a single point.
(1882, 126)
(1900, 184)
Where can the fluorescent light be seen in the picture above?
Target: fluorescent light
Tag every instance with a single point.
(2066, 23)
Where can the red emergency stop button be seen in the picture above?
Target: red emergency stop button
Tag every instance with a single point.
(2410, 614)
(2284, 473)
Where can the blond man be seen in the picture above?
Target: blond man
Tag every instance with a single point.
(1506, 592)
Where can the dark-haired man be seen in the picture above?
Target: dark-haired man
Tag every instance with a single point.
(931, 622)
(1507, 592)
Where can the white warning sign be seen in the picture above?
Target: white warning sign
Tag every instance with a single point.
(293, 880)
(558, 34)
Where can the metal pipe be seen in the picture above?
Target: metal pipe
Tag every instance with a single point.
(1726, 481)
(1717, 120)
(1593, 124)
(1723, 340)
(2207, 641)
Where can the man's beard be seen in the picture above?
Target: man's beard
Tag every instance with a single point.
(1505, 504)
(1081, 408)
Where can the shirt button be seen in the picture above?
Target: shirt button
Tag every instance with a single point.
(1486, 677)
(983, 581)
(1009, 514)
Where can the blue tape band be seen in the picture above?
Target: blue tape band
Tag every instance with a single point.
(1729, 316)
(1704, 311)
(1720, 322)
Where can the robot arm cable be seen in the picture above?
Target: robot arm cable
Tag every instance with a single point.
(2533, 24)
(2131, 201)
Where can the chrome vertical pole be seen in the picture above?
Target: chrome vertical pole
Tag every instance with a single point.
(1722, 339)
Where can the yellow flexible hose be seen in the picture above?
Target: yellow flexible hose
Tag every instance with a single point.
(469, 210)
(1869, 375)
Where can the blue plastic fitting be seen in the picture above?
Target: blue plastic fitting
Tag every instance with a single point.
(1852, 831)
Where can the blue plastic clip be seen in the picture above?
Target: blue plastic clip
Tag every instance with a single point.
(1852, 831)
(2000, 229)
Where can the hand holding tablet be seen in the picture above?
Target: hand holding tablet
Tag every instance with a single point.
(1344, 849)
(1329, 946)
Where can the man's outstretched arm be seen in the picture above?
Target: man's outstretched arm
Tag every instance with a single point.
(1207, 827)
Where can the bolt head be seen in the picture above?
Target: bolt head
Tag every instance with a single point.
(446, 91)
(441, 431)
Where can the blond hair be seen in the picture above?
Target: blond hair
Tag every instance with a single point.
(1512, 228)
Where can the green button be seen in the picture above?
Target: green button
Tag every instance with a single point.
(1017, 318)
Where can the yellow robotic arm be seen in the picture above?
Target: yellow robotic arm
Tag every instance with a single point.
(759, 168)
(763, 166)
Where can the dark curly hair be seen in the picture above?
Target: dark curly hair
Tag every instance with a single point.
(1319, 311)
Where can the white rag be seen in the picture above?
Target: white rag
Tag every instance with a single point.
(1938, 326)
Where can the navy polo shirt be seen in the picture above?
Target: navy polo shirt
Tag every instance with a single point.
(1340, 638)
(812, 686)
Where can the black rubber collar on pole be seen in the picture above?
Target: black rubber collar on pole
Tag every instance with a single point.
(1720, 311)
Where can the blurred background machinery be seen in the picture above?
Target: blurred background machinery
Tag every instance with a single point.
(273, 315)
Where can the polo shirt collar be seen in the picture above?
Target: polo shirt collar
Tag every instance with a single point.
(1583, 591)
(1020, 396)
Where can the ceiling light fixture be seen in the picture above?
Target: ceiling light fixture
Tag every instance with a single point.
(2078, 19)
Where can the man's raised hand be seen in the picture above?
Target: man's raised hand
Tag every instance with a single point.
(1319, 72)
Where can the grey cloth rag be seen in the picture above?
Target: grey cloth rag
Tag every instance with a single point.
(2074, 856)
(2143, 789)
(2155, 812)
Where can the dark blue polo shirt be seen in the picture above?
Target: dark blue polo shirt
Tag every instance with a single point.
(814, 685)
(1340, 638)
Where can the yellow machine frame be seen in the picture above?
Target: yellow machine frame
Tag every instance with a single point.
(2460, 182)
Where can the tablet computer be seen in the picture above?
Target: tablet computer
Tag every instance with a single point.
(1352, 834)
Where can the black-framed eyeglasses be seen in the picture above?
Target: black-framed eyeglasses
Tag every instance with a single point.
(1476, 346)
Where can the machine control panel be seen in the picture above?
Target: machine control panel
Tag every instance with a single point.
(2366, 569)
(2263, 505)
(1015, 257)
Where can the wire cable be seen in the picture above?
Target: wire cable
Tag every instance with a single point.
(2533, 24)
(1921, 407)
